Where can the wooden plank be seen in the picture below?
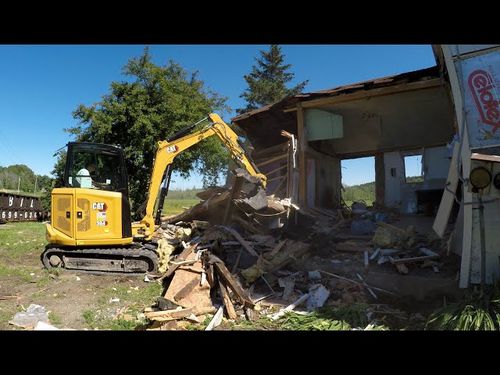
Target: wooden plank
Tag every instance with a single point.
(248, 226)
(271, 160)
(302, 156)
(167, 315)
(276, 170)
(182, 256)
(355, 282)
(188, 288)
(227, 302)
(443, 214)
(412, 259)
(231, 282)
(241, 240)
(276, 149)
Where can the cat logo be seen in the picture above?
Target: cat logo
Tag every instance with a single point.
(98, 206)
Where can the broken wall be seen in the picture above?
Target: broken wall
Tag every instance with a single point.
(403, 195)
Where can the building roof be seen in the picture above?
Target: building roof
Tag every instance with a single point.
(417, 75)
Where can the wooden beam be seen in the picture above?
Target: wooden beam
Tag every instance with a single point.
(231, 283)
(182, 256)
(302, 156)
(241, 240)
(268, 161)
(365, 94)
(167, 315)
(443, 214)
(227, 301)
(276, 170)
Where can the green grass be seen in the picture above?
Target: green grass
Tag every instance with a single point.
(324, 319)
(55, 319)
(175, 206)
(21, 239)
(135, 301)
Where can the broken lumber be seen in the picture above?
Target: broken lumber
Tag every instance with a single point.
(227, 301)
(166, 315)
(188, 288)
(241, 240)
(355, 282)
(293, 250)
(413, 259)
(231, 282)
(182, 257)
(290, 307)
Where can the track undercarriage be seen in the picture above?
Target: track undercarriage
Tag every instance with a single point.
(133, 260)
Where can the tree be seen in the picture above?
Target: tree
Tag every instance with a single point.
(154, 104)
(267, 81)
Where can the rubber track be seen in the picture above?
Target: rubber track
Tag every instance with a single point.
(124, 252)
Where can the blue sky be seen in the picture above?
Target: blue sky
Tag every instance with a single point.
(40, 86)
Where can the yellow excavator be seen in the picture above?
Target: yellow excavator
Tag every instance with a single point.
(91, 228)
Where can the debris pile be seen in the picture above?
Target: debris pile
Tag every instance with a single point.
(236, 256)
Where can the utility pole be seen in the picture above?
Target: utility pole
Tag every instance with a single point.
(36, 178)
(18, 183)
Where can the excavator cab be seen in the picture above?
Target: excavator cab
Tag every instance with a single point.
(92, 207)
(95, 166)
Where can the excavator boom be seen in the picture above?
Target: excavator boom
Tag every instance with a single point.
(168, 150)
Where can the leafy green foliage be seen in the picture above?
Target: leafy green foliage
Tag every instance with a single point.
(268, 79)
(155, 103)
(21, 174)
(363, 192)
(477, 312)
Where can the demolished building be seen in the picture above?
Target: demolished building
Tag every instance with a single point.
(391, 118)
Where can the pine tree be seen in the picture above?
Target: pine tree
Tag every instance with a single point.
(268, 79)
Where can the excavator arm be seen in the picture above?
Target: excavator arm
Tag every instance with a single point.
(168, 150)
